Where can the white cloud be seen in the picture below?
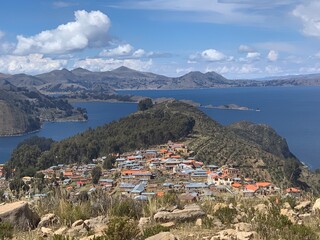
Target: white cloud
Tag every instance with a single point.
(245, 49)
(273, 69)
(253, 55)
(139, 53)
(247, 69)
(2, 34)
(88, 30)
(30, 64)
(100, 65)
(184, 70)
(121, 50)
(273, 56)
(213, 55)
(308, 13)
(63, 4)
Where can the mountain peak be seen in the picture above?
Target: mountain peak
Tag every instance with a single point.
(123, 69)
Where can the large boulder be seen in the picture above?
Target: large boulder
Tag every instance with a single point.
(303, 206)
(190, 212)
(316, 205)
(162, 236)
(19, 215)
(48, 220)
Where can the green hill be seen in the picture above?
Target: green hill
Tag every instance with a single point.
(256, 149)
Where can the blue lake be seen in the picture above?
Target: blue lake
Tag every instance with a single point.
(293, 112)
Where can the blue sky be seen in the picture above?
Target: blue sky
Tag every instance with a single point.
(236, 38)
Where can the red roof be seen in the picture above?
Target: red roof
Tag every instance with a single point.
(292, 190)
(263, 184)
(251, 187)
(236, 185)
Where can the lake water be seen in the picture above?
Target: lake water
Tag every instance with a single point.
(293, 112)
(99, 114)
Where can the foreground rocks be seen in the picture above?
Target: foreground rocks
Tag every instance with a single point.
(190, 212)
(19, 215)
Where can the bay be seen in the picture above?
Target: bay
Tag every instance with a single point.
(293, 112)
(99, 113)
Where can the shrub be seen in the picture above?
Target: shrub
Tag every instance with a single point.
(153, 230)
(126, 208)
(225, 214)
(6, 230)
(121, 228)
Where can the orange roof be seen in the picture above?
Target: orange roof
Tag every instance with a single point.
(251, 187)
(236, 185)
(176, 156)
(263, 184)
(292, 190)
(68, 173)
(160, 194)
(131, 157)
(163, 150)
(130, 172)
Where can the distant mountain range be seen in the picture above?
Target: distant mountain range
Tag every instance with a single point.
(123, 78)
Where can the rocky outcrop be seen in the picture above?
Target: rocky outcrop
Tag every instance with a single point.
(19, 215)
(163, 236)
(190, 212)
(48, 220)
(316, 205)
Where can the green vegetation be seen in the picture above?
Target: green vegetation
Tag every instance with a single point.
(6, 230)
(153, 230)
(226, 214)
(145, 104)
(96, 174)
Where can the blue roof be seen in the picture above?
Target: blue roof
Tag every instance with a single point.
(139, 188)
(126, 185)
(196, 185)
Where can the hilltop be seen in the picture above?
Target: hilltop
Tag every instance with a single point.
(123, 78)
(257, 150)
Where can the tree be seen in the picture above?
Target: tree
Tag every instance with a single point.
(96, 174)
(145, 104)
(109, 161)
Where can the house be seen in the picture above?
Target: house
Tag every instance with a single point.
(126, 187)
(293, 192)
(199, 175)
(139, 188)
(196, 186)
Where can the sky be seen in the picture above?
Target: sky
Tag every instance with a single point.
(240, 39)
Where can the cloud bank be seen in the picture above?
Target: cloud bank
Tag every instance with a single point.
(90, 29)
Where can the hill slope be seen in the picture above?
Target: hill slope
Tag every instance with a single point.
(256, 149)
(23, 110)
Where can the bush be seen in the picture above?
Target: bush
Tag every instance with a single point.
(153, 230)
(6, 230)
(121, 228)
(126, 208)
(225, 214)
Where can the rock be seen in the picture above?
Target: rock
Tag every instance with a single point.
(218, 206)
(48, 220)
(243, 227)
(287, 205)
(144, 221)
(78, 231)
(199, 222)
(96, 225)
(303, 205)
(61, 231)
(316, 205)
(261, 208)
(162, 236)
(19, 215)
(289, 213)
(230, 234)
(190, 212)
(168, 224)
(46, 232)
(77, 223)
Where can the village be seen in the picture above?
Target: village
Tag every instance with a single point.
(151, 173)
